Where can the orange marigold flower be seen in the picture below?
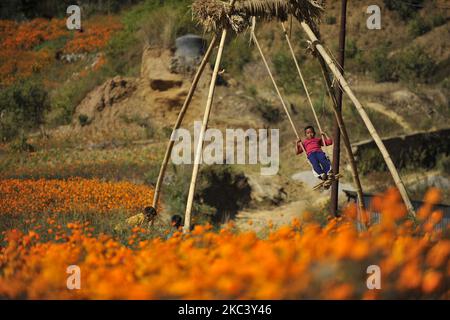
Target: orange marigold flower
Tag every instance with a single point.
(431, 281)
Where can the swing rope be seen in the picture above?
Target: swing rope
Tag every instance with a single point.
(255, 40)
(304, 84)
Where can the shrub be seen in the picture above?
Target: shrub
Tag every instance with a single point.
(419, 26)
(405, 9)
(68, 96)
(382, 66)
(21, 145)
(143, 122)
(22, 108)
(175, 193)
(236, 56)
(443, 163)
(351, 49)
(446, 84)
(438, 20)
(269, 113)
(415, 64)
(286, 74)
(143, 24)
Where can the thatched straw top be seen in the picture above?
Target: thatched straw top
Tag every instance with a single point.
(215, 15)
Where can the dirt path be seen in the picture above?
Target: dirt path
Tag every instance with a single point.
(391, 114)
(258, 220)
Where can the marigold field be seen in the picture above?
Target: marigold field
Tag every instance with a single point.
(22, 52)
(73, 195)
(300, 260)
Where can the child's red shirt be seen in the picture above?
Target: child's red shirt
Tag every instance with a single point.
(312, 145)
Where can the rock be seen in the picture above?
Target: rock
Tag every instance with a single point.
(106, 95)
(71, 57)
(155, 65)
(266, 189)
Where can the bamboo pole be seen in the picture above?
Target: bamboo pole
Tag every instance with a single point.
(198, 152)
(180, 118)
(334, 199)
(341, 124)
(395, 175)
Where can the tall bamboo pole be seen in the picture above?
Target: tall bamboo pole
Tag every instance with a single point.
(198, 152)
(334, 198)
(368, 123)
(180, 118)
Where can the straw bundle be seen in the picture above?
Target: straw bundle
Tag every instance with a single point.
(216, 15)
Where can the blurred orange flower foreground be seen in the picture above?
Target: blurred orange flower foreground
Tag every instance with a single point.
(302, 260)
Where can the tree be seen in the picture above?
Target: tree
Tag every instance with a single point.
(22, 107)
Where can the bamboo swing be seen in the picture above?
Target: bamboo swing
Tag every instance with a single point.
(338, 117)
(219, 17)
(255, 40)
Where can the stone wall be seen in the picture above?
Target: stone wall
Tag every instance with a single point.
(420, 149)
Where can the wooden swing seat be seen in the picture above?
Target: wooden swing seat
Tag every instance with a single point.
(328, 182)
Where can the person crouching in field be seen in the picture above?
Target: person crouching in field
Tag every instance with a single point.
(139, 220)
(176, 225)
(319, 160)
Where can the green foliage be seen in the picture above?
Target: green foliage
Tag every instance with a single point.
(438, 20)
(114, 225)
(22, 107)
(445, 84)
(330, 20)
(443, 163)
(351, 49)
(143, 122)
(406, 9)
(70, 94)
(418, 26)
(143, 23)
(20, 144)
(286, 74)
(252, 91)
(175, 193)
(270, 113)
(213, 182)
(415, 64)
(29, 9)
(167, 132)
(412, 64)
(236, 55)
(383, 67)
(217, 182)
(421, 25)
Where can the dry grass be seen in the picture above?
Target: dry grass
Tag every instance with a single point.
(216, 15)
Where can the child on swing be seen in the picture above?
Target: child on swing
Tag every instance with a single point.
(319, 160)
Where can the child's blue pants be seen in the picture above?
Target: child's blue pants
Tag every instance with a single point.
(320, 162)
